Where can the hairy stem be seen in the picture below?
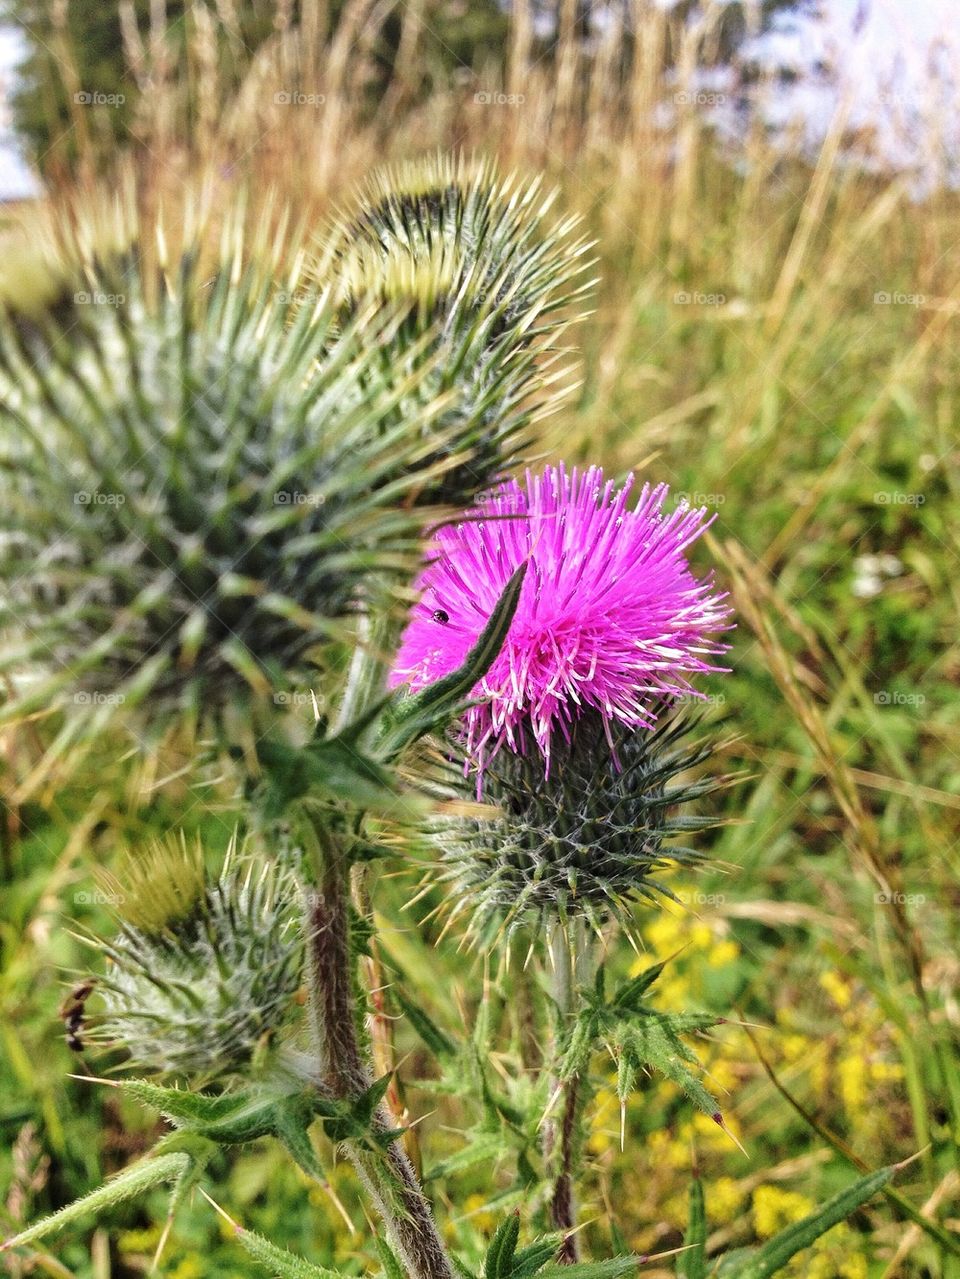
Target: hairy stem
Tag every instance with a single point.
(561, 1139)
(563, 1210)
(387, 1175)
(379, 1024)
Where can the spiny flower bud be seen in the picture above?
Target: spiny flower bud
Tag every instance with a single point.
(203, 975)
(198, 480)
(586, 838)
(482, 273)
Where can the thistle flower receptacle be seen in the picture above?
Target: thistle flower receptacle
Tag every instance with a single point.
(204, 972)
(611, 618)
(586, 839)
(479, 264)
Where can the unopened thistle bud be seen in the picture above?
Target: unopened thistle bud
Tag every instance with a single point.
(202, 978)
(588, 838)
(478, 267)
(196, 487)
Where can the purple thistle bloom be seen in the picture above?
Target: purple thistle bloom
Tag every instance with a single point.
(611, 616)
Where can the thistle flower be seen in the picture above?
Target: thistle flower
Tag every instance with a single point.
(203, 974)
(197, 477)
(481, 273)
(611, 618)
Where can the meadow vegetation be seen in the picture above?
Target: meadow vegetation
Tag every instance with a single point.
(778, 341)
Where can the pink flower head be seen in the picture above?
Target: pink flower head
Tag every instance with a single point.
(610, 617)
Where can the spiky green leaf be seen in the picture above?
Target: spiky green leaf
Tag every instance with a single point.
(125, 1185)
(772, 1256)
(692, 1263)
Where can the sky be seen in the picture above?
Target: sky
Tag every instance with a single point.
(16, 180)
(895, 64)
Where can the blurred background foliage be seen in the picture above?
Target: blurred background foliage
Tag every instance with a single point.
(775, 337)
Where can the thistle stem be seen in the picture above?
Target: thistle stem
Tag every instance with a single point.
(561, 1140)
(387, 1175)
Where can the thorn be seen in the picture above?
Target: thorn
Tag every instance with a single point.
(718, 1120)
(550, 1105)
(414, 1122)
(234, 1225)
(912, 1158)
(162, 1242)
(338, 1204)
(94, 1079)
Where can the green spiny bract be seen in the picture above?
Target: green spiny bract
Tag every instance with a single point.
(197, 481)
(203, 975)
(477, 260)
(584, 839)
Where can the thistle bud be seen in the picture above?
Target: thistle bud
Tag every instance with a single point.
(202, 977)
(481, 273)
(198, 482)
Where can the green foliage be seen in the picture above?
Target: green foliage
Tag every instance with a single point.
(352, 767)
(280, 1262)
(639, 1038)
(505, 1261)
(692, 1262)
(132, 1182)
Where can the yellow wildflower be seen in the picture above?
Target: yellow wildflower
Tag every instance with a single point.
(853, 1082)
(837, 988)
(724, 1200)
(723, 952)
(775, 1208)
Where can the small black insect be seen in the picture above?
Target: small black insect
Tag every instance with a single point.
(72, 1013)
(442, 616)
